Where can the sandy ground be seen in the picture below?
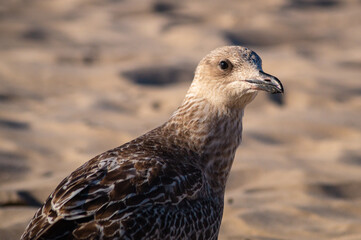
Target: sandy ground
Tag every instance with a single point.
(80, 77)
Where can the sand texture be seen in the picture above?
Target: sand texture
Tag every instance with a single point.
(80, 77)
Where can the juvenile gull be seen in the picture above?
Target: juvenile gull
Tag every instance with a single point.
(168, 183)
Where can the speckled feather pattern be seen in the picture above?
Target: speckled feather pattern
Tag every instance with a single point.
(167, 184)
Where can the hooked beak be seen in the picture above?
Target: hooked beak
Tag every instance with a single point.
(267, 82)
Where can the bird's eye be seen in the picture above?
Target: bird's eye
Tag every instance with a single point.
(223, 65)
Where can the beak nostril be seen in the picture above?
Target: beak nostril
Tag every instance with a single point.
(267, 80)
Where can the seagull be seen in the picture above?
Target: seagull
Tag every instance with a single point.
(170, 182)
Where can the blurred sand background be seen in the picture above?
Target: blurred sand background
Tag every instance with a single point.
(78, 77)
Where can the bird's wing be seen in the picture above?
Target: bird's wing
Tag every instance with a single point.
(108, 185)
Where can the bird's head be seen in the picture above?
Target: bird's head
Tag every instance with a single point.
(232, 76)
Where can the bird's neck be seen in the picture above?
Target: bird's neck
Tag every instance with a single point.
(212, 132)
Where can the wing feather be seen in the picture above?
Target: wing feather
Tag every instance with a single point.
(110, 187)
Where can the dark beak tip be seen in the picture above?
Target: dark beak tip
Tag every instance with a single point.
(276, 88)
(280, 90)
(279, 86)
(271, 83)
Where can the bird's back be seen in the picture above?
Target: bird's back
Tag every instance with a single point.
(145, 189)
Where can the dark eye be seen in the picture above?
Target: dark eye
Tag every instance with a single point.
(223, 65)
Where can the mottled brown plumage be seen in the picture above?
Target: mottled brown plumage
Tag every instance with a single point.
(170, 182)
